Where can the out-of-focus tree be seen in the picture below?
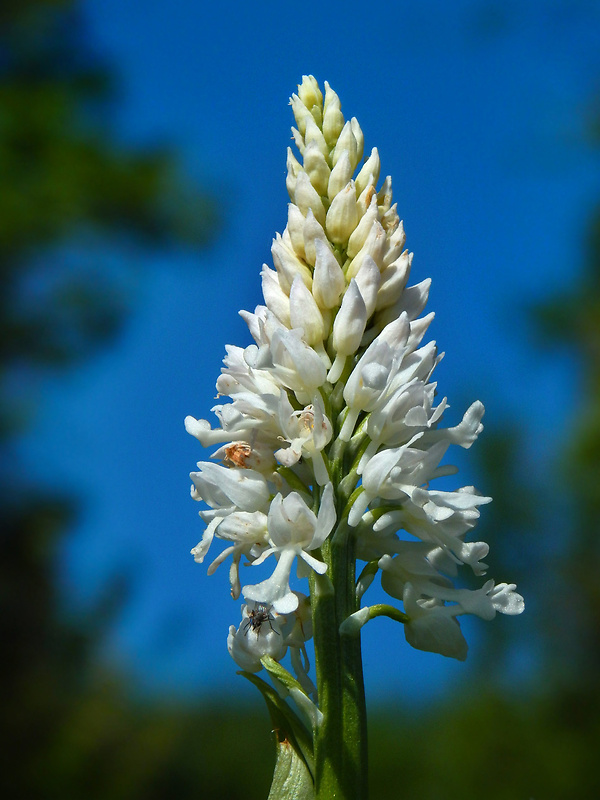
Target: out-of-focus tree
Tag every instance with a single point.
(69, 193)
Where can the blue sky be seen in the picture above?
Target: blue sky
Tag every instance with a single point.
(477, 110)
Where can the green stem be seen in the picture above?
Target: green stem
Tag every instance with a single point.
(340, 741)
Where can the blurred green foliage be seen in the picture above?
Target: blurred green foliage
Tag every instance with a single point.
(72, 728)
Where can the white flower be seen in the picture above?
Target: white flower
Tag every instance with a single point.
(337, 378)
(259, 634)
(294, 531)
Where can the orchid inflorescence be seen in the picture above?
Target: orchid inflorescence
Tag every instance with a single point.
(332, 436)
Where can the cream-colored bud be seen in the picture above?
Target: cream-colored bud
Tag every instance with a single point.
(306, 196)
(295, 229)
(390, 219)
(276, 299)
(305, 314)
(309, 92)
(347, 141)
(384, 196)
(359, 236)
(288, 265)
(374, 246)
(411, 302)
(342, 217)
(360, 138)
(365, 198)
(298, 140)
(328, 279)
(349, 324)
(348, 329)
(313, 232)
(333, 119)
(315, 134)
(369, 173)
(340, 175)
(395, 244)
(301, 113)
(393, 281)
(293, 168)
(332, 99)
(368, 279)
(316, 167)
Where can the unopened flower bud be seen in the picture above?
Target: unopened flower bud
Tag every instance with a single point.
(315, 134)
(301, 113)
(295, 228)
(396, 243)
(340, 175)
(316, 167)
(306, 197)
(293, 168)
(328, 279)
(333, 119)
(360, 233)
(390, 220)
(313, 232)
(275, 298)
(305, 314)
(288, 265)
(369, 172)
(347, 141)
(368, 279)
(298, 140)
(309, 92)
(393, 281)
(348, 329)
(342, 217)
(384, 196)
(360, 138)
(374, 246)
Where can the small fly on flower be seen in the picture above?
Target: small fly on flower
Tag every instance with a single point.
(257, 618)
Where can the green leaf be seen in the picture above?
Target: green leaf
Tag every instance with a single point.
(291, 733)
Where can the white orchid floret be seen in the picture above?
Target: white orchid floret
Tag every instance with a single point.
(433, 626)
(247, 531)
(370, 377)
(396, 473)
(441, 519)
(294, 531)
(228, 490)
(296, 364)
(402, 414)
(308, 432)
(430, 615)
(259, 634)
(239, 376)
(466, 432)
(288, 265)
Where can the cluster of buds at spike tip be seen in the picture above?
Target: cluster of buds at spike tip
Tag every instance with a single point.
(338, 375)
